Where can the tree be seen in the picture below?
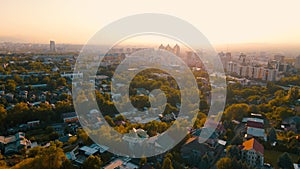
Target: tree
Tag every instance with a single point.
(293, 94)
(46, 80)
(34, 151)
(61, 81)
(254, 109)
(224, 163)
(19, 114)
(236, 111)
(2, 162)
(285, 161)
(67, 165)
(92, 162)
(51, 157)
(204, 162)
(3, 114)
(229, 134)
(272, 88)
(284, 112)
(18, 79)
(10, 85)
(143, 161)
(120, 117)
(109, 120)
(53, 136)
(83, 136)
(272, 135)
(233, 152)
(52, 84)
(167, 164)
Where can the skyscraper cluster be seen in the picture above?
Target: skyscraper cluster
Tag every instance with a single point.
(175, 49)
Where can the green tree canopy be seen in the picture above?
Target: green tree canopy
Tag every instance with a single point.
(92, 162)
(51, 157)
(167, 164)
(224, 163)
(236, 111)
(285, 161)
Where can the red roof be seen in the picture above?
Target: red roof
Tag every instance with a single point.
(253, 144)
(255, 124)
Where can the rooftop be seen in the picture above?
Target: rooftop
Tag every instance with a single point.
(255, 124)
(71, 114)
(88, 150)
(245, 120)
(253, 144)
(257, 132)
(121, 164)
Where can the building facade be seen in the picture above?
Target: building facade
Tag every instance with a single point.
(253, 152)
(297, 63)
(52, 46)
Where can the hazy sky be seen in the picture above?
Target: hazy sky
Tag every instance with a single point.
(222, 22)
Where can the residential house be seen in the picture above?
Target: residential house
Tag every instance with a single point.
(9, 97)
(13, 144)
(291, 123)
(70, 117)
(33, 123)
(253, 152)
(86, 151)
(23, 94)
(121, 163)
(255, 128)
(193, 150)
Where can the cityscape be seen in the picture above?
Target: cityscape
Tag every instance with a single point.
(149, 101)
(261, 118)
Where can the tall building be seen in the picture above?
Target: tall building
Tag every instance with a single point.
(52, 46)
(168, 48)
(297, 63)
(257, 72)
(161, 47)
(271, 75)
(175, 49)
(242, 58)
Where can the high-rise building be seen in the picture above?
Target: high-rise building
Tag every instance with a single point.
(161, 47)
(52, 46)
(242, 58)
(176, 50)
(271, 75)
(168, 48)
(297, 63)
(257, 72)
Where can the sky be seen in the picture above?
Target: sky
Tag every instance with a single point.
(222, 22)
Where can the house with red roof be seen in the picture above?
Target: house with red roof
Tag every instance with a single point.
(253, 152)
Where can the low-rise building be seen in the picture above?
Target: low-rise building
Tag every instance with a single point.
(121, 163)
(86, 151)
(255, 128)
(253, 152)
(70, 117)
(13, 144)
